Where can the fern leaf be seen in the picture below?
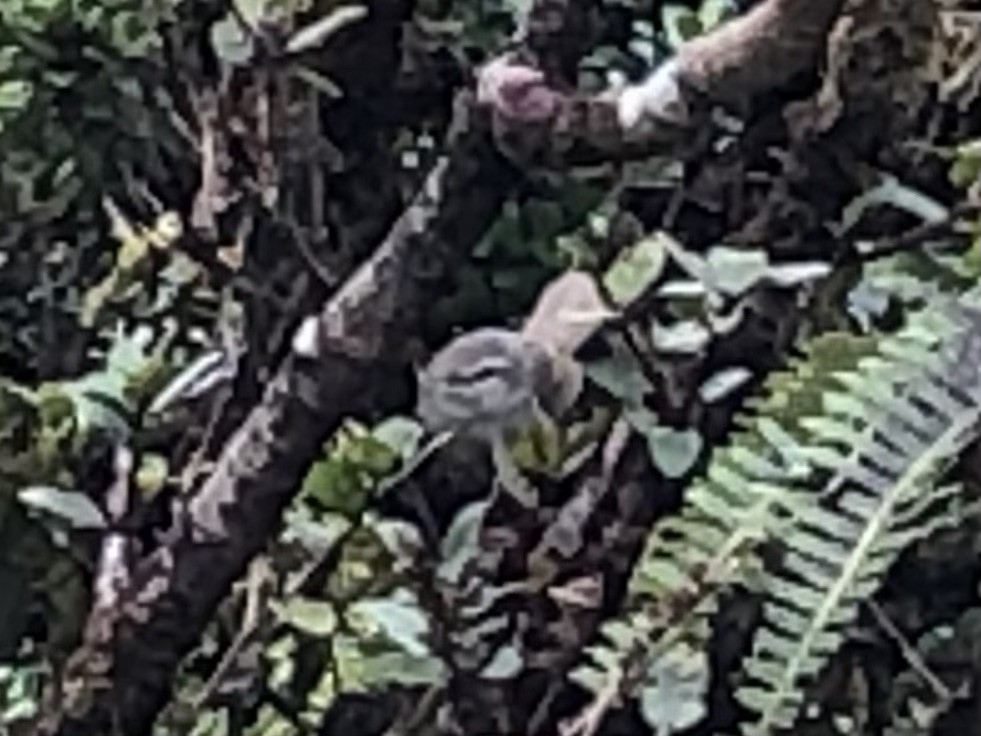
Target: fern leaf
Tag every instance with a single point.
(839, 459)
(921, 401)
(690, 558)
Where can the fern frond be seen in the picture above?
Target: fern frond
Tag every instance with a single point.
(840, 459)
(909, 412)
(691, 557)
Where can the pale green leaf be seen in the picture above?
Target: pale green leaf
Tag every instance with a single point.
(461, 544)
(734, 271)
(674, 451)
(398, 617)
(686, 336)
(76, 508)
(673, 697)
(723, 383)
(316, 33)
(506, 663)
(232, 43)
(635, 270)
(401, 434)
(313, 617)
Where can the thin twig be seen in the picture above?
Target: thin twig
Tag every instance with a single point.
(917, 235)
(258, 574)
(912, 657)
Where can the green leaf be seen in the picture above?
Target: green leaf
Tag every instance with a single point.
(635, 270)
(792, 274)
(318, 536)
(674, 451)
(398, 617)
(317, 618)
(892, 192)
(212, 723)
(15, 94)
(402, 435)
(8, 57)
(734, 271)
(231, 42)
(641, 419)
(687, 336)
(151, 476)
(682, 289)
(506, 663)
(200, 372)
(76, 508)
(400, 538)
(589, 678)
(621, 376)
(334, 483)
(644, 48)
(462, 541)
(505, 234)
(253, 12)
(357, 665)
(518, 8)
(723, 383)
(316, 33)
(680, 24)
(711, 13)
(20, 686)
(544, 217)
(674, 694)
(966, 168)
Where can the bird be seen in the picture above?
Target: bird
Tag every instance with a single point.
(490, 383)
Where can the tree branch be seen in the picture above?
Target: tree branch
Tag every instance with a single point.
(121, 676)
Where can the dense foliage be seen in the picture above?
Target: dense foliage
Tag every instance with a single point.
(762, 510)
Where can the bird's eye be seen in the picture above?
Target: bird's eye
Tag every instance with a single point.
(477, 375)
(483, 370)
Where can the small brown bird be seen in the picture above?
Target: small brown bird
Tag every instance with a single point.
(492, 382)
